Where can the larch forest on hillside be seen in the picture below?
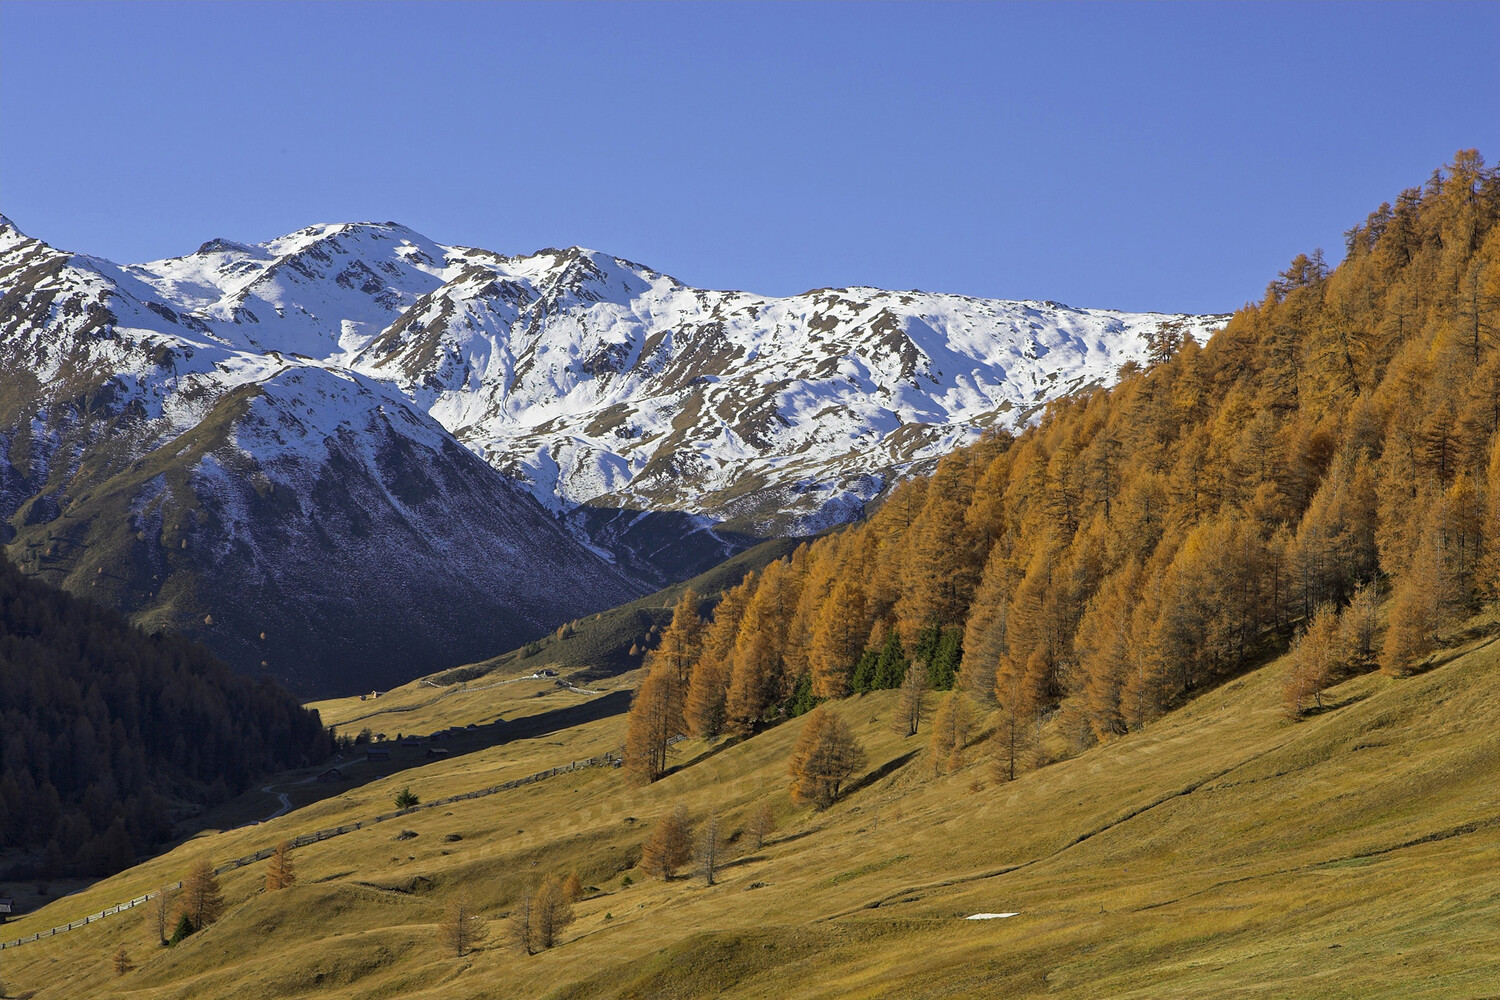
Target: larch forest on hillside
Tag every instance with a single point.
(1333, 444)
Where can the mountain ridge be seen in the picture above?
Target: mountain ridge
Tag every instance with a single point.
(663, 427)
(508, 352)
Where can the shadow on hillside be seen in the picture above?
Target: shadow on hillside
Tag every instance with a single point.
(660, 547)
(705, 755)
(742, 860)
(611, 642)
(884, 770)
(602, 707)
(1464, 643)
(357, 770)
(1331, 705)
(773, 841)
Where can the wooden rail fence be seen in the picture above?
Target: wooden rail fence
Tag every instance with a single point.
(303, 840)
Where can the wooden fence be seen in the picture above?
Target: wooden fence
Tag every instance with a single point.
(303, 840)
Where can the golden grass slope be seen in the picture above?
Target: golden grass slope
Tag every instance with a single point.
(1223, 852)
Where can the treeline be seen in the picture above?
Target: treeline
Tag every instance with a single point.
(1144, 540)
(104, 730)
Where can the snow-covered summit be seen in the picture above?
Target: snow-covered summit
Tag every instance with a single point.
(599, 383)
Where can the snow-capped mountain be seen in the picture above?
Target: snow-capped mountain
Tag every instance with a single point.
(664, 425)
(302, 519)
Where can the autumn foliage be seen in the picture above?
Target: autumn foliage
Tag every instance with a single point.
(201, 900)
(1334, 441)
(825, 756)
(280, 872)
(669, 846)
(657, 712)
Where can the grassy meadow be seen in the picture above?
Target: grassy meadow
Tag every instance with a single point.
(1223, 852)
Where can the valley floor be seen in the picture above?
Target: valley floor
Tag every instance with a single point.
(1224, 852)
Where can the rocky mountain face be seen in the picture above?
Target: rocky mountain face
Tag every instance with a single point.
(303, 520)
(388, 455)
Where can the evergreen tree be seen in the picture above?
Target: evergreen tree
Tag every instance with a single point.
(890, 669)
(863, 679)
(802, 699)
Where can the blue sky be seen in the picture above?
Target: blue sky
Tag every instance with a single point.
(1161, 156)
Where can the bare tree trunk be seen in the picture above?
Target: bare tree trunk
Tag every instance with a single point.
(710, 845)
(462, 927)
(520, 922)
(160, 913)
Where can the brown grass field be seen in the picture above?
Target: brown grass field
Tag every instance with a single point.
(1223, 852)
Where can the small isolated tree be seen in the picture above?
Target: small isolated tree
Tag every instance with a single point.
(1313, 660)
(279, 870)
(762, 824)
(520, 921)
(670, 845)
(551, 911)
(159, 911)
(123, 964)
(406, 798)
(573, 887)
(950, 732)
(462, 927)
(202, 902)
(825, 756)
(183, 929)
(710, 848)
(913, 695)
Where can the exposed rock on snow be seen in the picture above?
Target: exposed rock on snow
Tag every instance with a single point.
(663, 426)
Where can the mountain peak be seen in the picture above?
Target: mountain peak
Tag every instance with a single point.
(599, 383)
(221, 245)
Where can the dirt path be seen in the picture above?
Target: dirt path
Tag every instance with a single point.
(286, 802)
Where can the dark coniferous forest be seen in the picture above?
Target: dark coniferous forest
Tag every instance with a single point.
(106, 732)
